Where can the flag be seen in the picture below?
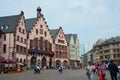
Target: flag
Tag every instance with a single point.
(35, 51)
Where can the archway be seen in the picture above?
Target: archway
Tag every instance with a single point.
(57, 63)
(33, 61)
(50, 62)
(43, 61)
(21, 60)
(65, 64)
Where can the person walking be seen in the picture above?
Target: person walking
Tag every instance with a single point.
(101, 71)
(89, 70)
(113, 69)
(61, 69)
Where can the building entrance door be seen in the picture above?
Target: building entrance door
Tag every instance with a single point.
(43, 61)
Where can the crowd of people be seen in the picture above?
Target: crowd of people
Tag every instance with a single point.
(100, 69)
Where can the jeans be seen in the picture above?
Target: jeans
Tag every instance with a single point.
(113, 76)
(90, 77)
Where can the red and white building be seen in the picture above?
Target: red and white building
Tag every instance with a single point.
(25, 37)
(61, 48)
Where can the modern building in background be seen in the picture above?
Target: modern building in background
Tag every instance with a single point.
(104, 51)
(109, 50)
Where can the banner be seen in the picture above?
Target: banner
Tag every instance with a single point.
(35, 52)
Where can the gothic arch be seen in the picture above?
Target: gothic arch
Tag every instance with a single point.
(65, 63)
(43, 61)
(50, 62)
(57, 63)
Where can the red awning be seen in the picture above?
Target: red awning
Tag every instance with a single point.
(7, 61)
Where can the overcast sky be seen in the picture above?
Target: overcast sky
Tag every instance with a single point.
(90, 19)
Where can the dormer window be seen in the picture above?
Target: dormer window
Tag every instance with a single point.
(1, 27)
(6, 26)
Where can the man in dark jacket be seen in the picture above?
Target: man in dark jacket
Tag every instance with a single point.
(113, 69)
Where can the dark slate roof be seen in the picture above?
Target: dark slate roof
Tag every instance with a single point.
(54, 32)
(112, 40)
(30, 22)
(99, 42)
(1, 32)
(68, 37)
(10, 22)
(75, 37)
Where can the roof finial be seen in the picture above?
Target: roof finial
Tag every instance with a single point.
(39, 12)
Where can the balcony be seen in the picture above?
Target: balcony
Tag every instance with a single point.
(41, 52)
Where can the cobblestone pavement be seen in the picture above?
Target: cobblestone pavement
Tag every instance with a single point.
(49, 75)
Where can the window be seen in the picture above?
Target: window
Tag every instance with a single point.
(36, 31)
(41, 26)
(0, 44)
(22, 40)
(101, 57)
(24, 50)
(41, 43)
(45, 33)
(17, 48)
(25, 41)
(4, 48)
(45, 43)
(17, 38)
(0, 35)
(4, 37)
(23, 31)
(31, 41)
(118, 55)
(41, 31)
(114, 55)
(36, 41)
(19, 29)
(21, 48)
(118, 50)
(1, 27)
(60, 41)
(6, 26)
(106, 56)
